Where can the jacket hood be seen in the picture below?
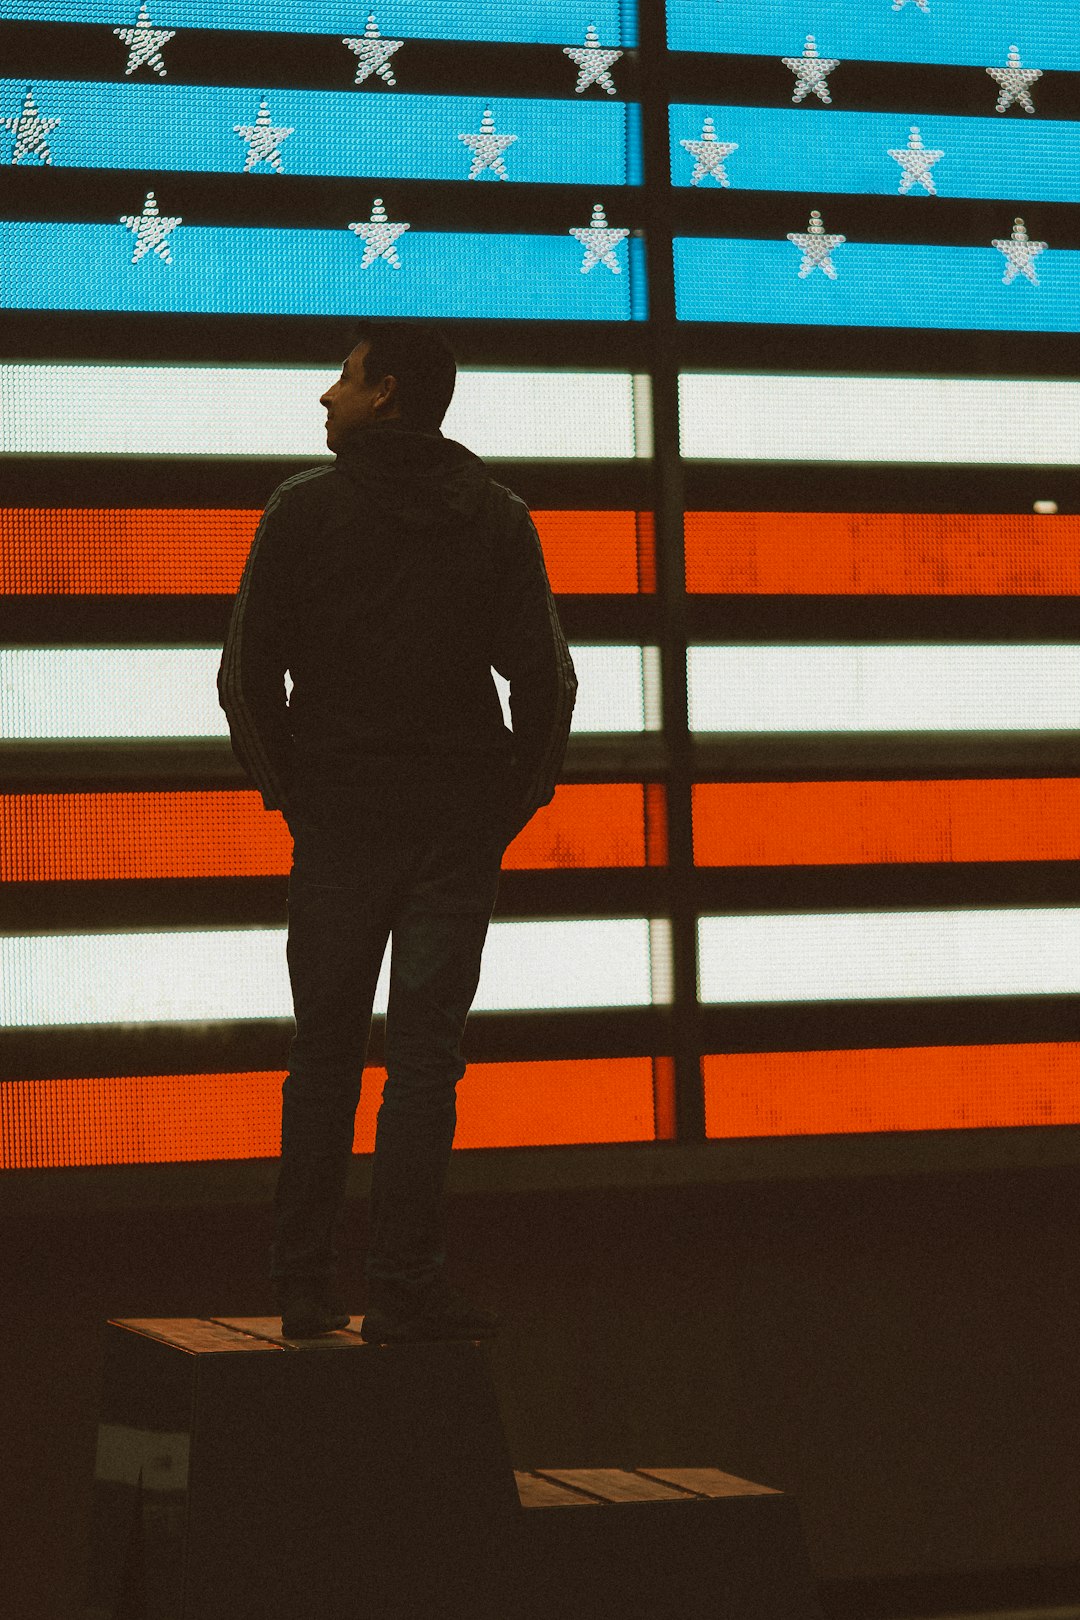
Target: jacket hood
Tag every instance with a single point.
(419, 478)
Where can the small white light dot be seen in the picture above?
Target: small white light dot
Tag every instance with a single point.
(1047, 508)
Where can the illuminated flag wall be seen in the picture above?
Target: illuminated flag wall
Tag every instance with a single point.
(846, 262)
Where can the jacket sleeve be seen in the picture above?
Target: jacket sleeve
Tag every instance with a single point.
(530, 651)
(251, 677)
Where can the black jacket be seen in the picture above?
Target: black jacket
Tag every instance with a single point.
(387, 585)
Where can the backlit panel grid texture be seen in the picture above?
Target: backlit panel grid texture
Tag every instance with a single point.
(175, 410)
(1046, 30)
(64, 837)
(157, 1119)
(851, 823)
(884, 688)
(781, 417)
(883, 553)
(207, 976)
(192, 551)
(889, 955)
(541, 22)
(122, 692)
(925, 1088)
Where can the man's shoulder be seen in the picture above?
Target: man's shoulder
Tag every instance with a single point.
(313, 482)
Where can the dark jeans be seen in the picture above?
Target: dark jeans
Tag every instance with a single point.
(433, 893)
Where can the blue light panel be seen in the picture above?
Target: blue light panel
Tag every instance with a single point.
(787, 149)
(291, 272)
(1046, 32)
(875, 285)
(555, 22)
(193, 127)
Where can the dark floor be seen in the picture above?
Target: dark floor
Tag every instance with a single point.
(898, 1353)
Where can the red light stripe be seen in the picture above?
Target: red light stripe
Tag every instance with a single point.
(927, 1088)
(882, 553)
(56, 837)
(159, 1119)
(847, 823)
(115, 551)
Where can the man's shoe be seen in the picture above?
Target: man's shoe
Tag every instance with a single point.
(309, 1307)
(444, 1314)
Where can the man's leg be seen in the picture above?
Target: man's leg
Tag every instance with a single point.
(439, 927)
(338, 929)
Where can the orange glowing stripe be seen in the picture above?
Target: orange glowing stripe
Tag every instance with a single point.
(848, 823)
(165, 551)
(159, 1119)
(56, 837)
(925, 1088)
(882, 553)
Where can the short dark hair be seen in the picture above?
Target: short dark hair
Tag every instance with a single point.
(422, 361)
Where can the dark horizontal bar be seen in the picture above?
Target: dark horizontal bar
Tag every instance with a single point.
(156, 765)
(224, 1048)
(109, 905)
(145, 904)
(893, 886)
(829, 620)
(828, 1026)
(830, 756)
(141, 765)
(762, 486)
(860, 86)
(312, 61)
(645, 1165)
(877, 351)
(161, 481)
(175, 621)
(312, 340)
(957, 221)
(310, 202)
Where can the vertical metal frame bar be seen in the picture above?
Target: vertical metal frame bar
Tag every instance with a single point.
(669, 504)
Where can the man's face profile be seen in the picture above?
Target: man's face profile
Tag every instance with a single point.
(352, 402)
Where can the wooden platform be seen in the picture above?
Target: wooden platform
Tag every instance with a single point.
(240, 1474)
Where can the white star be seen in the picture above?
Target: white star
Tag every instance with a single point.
(916, 162)
(144, 43)
(815, 246)
(379, 237)
(372, 52)
(262, 140)
(710, 154)
(30, 131)
(810, 70)
(1019, 249)
(488, 148)
(599, 241)
(592, 62)
(923, 5)
(1014, 79)
(151, 229)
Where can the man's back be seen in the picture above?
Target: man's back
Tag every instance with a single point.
(388, 585)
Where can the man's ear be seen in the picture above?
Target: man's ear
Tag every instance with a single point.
(387, 402)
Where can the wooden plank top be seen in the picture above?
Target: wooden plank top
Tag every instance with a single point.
(709, 1482)
(536, 1492)
(615, 1484)
(267, 1330)
(190, 1334)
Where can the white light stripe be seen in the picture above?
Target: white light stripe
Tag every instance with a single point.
(253, 411)
(740, 417)
(884, 688)
(103, 692)
(186, 976)
(893, 955)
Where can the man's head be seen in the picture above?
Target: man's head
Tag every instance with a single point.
(397, 372)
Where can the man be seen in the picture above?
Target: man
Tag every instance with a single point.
(388, 584)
